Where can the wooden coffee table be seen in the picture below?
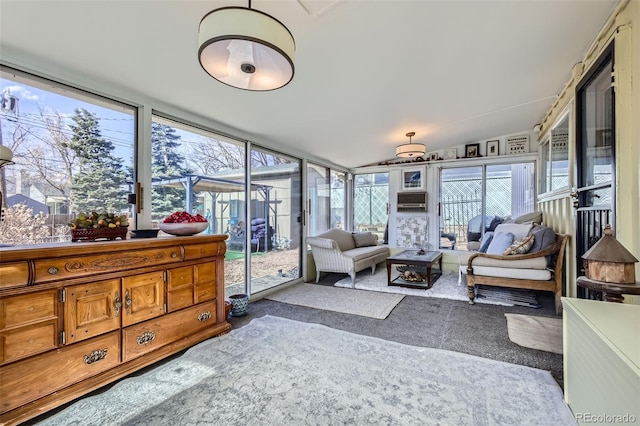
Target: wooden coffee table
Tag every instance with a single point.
(420, 261)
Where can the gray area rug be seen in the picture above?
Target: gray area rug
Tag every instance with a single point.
(363, 303)
(284, 372)
(448, 286)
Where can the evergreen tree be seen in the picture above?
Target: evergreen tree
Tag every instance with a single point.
(166, 163)
(100, 182)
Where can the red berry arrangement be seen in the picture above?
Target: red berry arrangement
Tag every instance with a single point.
(184, 217)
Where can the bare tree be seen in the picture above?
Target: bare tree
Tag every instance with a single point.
(48, 160)
(209, 156)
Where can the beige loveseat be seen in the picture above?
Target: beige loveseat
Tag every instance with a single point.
(343, 252)
(538, 268)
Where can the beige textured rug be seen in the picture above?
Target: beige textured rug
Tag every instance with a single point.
(542, 333)
(348, 301)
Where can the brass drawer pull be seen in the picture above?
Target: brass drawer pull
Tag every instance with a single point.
(95, 356)
(117, 304)
(53, 270)
(174, 255)
(127, 300)
(146, 337)
(204, 316)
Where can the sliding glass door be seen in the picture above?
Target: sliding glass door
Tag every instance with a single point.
(274, 224)
(476, 199)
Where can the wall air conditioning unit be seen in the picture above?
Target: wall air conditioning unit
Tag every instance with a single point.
(412, 202)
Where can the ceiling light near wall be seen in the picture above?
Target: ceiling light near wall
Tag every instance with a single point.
(246, 48)
(410, 149)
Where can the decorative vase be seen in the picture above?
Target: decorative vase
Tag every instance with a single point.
(239, 303)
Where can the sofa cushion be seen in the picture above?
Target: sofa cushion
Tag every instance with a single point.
(486, 240)
(520, 246)
(365, 239)
(543, 238)
(361, 253)
(519, 230)
(532, 263)
(342, 238)
(521, 274)
(500, 242)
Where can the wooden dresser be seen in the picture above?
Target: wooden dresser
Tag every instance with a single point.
(76, 316)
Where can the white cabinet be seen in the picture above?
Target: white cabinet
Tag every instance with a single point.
(602, 361)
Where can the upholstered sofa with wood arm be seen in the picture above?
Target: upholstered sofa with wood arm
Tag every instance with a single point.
(343, 252)
(537, 270)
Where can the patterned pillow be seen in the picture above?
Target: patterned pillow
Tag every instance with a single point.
(520, 247)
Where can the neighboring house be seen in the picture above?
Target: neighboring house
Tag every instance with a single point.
(35, 206)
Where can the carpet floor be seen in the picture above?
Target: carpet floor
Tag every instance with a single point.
(349, 301)
(279, 371)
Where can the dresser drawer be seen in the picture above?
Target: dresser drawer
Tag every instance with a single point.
(14, 274)
(90, 265)
(28, 325)
(205, 278)
(25, 309)
(148, 336)
(28, 340)
(33, 378)
(198, 251)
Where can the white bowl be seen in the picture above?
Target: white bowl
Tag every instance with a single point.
(183, 228)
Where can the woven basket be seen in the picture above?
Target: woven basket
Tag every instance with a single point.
(99, 234)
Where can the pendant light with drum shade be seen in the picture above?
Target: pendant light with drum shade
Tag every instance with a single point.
(410, 149)
(246, 49)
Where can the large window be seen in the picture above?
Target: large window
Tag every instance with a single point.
(475, 199)
(326, 199)
(201, 172)
(73, 154)
(371, 203)
(554, 164)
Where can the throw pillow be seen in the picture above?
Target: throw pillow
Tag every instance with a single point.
(486, 240)
(365, 239)
(494, 223)
(520, 247)
(518, 230)
(500, 242)
(544, 237)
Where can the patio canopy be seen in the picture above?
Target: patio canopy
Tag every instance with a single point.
(206, 184)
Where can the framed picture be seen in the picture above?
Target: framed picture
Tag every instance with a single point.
(517, 144)
(472, 150)
(450, 154)
(492, 148)
(413, 180)
(433, 156)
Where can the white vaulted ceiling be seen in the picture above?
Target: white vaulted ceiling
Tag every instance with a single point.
(367, 72)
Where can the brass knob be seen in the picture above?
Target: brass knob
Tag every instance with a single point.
(53, 270)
